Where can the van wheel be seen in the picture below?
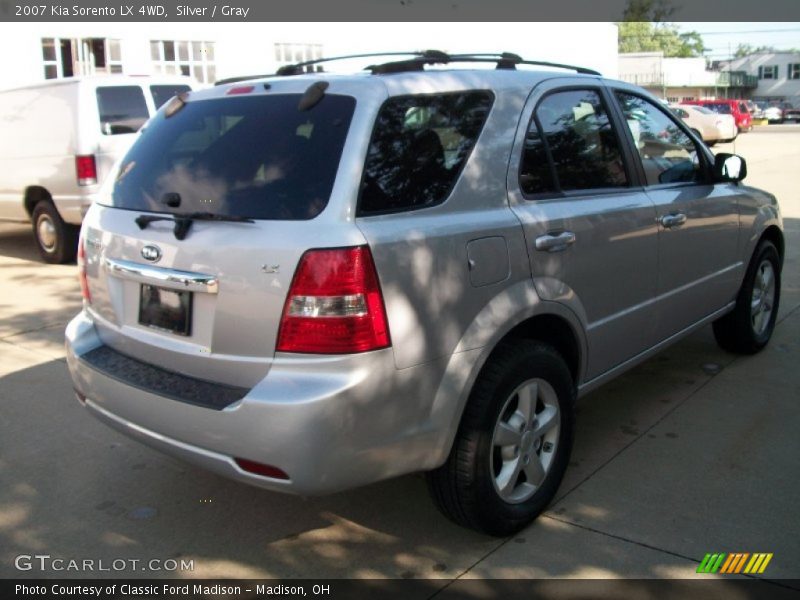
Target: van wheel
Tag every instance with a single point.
(57, 240)
(513, 443)
(749, 327)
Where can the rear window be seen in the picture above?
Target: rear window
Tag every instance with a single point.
(122, 109)
(252, 156)
(162, 93)
(419, 146)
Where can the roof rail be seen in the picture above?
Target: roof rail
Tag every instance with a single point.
(417, 61)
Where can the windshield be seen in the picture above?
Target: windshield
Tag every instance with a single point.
(255, 156)
(704, 110)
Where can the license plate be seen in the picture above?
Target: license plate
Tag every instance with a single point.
(167, 310)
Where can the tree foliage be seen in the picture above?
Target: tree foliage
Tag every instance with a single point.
(644, 29)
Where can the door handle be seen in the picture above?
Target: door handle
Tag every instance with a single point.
(669, 221)
(555, 242)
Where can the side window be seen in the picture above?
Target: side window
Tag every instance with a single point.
(122, 109)
(571, 129)
(419, 145)
(668, 154)
(162, 93)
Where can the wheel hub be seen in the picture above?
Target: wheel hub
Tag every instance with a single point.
(46, 231)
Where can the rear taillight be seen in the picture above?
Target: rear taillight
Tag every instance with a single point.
(86, 169)
(251, 466)
(82, 271)
(334, 305)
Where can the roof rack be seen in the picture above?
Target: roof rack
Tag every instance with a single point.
(417, 61)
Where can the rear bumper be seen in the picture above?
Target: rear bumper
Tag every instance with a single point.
(348, 421)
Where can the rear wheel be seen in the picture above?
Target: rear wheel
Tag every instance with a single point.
(749, 327)
(513, 443)
(57, 241)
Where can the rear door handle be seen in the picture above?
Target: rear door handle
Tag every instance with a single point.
(669, 221)
(555, 242)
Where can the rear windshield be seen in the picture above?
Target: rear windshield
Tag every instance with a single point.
(122, 109)
(418, 148)
(162, 93)
(724, 109)
(250, 156)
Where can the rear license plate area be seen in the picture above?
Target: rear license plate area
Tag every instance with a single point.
(167, 310)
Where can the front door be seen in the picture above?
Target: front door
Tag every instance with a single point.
(698, 221)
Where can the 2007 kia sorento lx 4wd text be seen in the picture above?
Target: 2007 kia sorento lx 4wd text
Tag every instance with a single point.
(311, 282)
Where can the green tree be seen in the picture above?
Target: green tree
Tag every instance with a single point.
(644, 29)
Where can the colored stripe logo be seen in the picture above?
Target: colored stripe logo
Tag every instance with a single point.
(737, 562)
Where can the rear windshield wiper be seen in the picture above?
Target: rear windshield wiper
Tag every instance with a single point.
(184, 222)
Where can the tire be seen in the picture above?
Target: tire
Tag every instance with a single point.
(468, 488)
(57, 241)
(748, 328)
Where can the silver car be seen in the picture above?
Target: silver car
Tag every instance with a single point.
(311, 282)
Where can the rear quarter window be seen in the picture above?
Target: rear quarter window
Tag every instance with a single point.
(256, 156)
(122, 109)
(418, 148)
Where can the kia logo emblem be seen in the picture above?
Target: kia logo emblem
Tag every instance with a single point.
(151, 253)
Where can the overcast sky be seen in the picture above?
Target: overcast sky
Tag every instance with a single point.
(722, 38)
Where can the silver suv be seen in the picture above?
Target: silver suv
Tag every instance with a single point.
(311, 282)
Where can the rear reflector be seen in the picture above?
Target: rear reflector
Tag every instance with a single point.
(82, 278)
(256, 468)
(334, 305)
(86, 169)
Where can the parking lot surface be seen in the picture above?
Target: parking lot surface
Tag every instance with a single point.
(694, 451)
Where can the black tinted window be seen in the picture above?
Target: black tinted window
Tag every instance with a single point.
(251, 156)
(162, 93)
(571, 128)
(418, 148)
(122, 109)
(668, 155)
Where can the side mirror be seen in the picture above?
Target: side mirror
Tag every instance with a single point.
(729, 167)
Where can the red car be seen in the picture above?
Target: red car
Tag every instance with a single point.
(737, 108)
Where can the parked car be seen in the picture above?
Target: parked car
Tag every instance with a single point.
(311, 282)
(60, 139)
(737, 108)
(708, 125)
(790, 113)
(773, 114)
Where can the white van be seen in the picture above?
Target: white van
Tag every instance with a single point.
(59, 139)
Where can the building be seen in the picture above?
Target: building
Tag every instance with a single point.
(681, 79)
(777, 73)
(211, 51)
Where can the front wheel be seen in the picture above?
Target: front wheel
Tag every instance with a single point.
(749, 327)
(513, 443)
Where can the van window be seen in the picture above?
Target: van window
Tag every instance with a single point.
(162, 93)
(252, 156)
(122, 109)
(419, 146)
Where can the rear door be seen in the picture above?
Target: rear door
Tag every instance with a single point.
(590, 232)
(698, 220)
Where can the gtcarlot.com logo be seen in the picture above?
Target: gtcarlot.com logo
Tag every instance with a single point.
(45, 562)
(737, 562)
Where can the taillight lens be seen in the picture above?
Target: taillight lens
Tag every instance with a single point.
(334, 305)
(84, 281)
(86, 169)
